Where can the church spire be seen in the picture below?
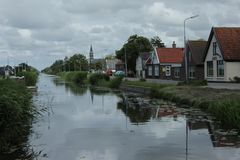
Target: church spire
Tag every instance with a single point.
(91, 56)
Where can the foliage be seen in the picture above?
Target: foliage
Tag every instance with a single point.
(135, 44)
(77, 62)
(228, 111)
(95, 78)
(237, 79)
(76, 77)
(15, 111)
(30, 77)
(115, 82)
(194, 83)
(157, 42)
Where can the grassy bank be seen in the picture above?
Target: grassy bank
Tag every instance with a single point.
(77, 77)
(16, 112)
(222, 103)
(30, 77)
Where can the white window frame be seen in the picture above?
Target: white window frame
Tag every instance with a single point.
(168, 71)
(150, 70)
(220, 63)
(156, 70)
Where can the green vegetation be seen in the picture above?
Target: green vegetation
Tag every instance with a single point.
(115, 82)
(77, 62)
(30, 77)
(96, 78)
(76, 77)
(222, 103)
(16, 112)
(194, 83)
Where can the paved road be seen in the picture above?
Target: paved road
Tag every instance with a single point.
(232, 86)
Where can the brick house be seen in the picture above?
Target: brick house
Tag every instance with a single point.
(222, 54)
(166, 63)
(195, 52)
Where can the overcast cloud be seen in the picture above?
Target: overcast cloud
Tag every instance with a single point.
(41, 31)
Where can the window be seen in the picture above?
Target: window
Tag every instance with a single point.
(220, 68)
(191, 72)
(209, 68)
(189, 56)
(214, 48)
(156, 70)
(177, 72)
(150, 70)
(168, 71)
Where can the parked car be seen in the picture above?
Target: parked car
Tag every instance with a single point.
(119, 73)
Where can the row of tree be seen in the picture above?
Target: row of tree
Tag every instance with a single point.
(77, 62)
(133, 47)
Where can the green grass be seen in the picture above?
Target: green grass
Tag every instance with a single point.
(15, 113)
(146, 84)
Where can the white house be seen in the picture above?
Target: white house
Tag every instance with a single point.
(141, 64)
(222, 54)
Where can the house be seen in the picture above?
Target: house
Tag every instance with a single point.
(141, 64)
(120, 66)
(222, 54)
(195, 52)
(6, 71)
(167, 63)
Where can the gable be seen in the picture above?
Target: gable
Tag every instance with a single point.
(228, 39)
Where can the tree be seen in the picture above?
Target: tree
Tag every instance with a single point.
(78, 62)
(157, 42)
(135, 45)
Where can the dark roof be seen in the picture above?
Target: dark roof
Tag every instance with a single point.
(228, 39)
(145, 55)
(170, 55)
(197, 49)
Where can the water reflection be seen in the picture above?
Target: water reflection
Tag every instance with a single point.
(96, 124)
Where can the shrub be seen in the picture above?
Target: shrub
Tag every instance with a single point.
(79, 77)
(30, 77)
(95, 78)
(194, 83)
(115, 82)
(142, 80)
(228, 111)
(237, 79)
(16, 113)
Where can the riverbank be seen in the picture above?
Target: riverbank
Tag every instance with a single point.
(222, 103)
(16, 113)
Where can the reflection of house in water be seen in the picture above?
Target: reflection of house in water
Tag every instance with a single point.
(219, 137)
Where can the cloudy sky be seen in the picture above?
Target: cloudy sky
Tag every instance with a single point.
(41, 31)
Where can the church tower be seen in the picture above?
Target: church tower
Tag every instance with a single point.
(91, 56)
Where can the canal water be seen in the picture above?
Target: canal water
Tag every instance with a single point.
(86, 124)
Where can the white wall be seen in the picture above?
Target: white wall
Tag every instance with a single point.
(232, 70)
(214, 58)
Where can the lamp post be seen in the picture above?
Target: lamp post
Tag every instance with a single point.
(185, 52)
(125, 52)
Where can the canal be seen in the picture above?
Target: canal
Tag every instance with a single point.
(86, 124)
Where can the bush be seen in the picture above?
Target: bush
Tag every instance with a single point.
(237, 79)
(95, 78)
(16, 113)
(76, 77)
(194, 83)
(30, 77)
(228, 111)
(142, 80)
(115, 82)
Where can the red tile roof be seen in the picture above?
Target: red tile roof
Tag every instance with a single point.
(170, 55)
(229, 40)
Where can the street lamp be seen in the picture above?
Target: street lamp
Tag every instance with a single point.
(125, 52)
(185, 52)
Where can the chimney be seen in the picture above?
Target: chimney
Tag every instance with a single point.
(174, 44)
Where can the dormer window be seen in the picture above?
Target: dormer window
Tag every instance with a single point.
(214, 48)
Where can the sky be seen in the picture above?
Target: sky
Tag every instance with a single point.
(38, 32)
